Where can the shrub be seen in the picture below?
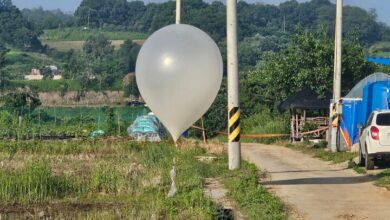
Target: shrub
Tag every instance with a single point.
(265, 123)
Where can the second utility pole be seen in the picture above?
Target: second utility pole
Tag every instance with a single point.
(334, 145)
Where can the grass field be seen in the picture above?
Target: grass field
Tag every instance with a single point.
(76, 45)
(74, 38)
(78, 34)
(119, 179)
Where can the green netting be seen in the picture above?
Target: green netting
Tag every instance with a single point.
(46, 122)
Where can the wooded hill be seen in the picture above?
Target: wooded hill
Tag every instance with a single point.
(254, 19)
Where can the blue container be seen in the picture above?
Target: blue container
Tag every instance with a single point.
(375, 97)
(350, 119)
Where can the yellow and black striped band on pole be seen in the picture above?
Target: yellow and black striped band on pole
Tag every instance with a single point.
(335, 118)
(234, 124)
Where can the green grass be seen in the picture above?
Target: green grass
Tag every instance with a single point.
(35, 183)
(105, 179)
(78, 34)
(115, 178)
(356, 167)
(265, 123)
(74, 38)
(319, 151)
(67, 45)
(253, 198)
(383, 179)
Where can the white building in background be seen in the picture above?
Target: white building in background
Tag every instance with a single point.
(34, 75)
(57, 77)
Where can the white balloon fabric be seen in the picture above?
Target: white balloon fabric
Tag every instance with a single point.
(179, 72)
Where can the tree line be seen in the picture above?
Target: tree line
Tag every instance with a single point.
(253, 19)
(16, 30)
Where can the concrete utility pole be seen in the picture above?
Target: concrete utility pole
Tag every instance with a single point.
(178, 11)
(336, 110)
(233, 86)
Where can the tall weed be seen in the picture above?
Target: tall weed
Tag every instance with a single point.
(35, 183)
(265, 123)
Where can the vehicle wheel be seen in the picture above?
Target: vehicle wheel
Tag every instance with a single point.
(369, 161)
(361, 161)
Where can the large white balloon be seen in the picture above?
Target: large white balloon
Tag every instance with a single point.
(179, 72)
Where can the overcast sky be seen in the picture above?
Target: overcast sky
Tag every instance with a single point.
(381, 6)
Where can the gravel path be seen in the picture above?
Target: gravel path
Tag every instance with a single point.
(315, 189)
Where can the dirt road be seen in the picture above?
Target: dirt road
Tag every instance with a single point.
(316, 189)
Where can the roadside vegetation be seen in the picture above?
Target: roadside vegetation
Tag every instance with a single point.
(383, 179)
(320, 151)
(254, 199)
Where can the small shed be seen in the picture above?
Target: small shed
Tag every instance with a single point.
(308, 112)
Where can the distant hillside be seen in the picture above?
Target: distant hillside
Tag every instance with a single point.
(65, 39)
(254, 19)
(81, 34)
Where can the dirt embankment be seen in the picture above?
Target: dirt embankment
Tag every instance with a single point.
(84, 99)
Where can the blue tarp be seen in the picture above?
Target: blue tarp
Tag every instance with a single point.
(380, 60)
(146, 128)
